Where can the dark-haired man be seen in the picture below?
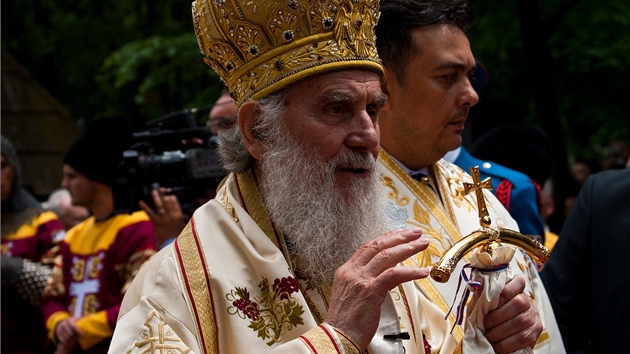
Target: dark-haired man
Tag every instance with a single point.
(428, 66)
(100, 256)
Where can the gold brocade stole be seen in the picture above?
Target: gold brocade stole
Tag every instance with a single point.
(436, 219)
(194, 274)
(194, 268)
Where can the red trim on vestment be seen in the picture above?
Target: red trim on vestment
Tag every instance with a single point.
(308, 343)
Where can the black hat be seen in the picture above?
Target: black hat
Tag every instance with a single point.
(97, 152)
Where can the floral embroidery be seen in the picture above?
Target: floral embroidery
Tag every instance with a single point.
(397, 216)
(272, 313)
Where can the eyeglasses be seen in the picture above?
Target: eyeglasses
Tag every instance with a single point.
(221, 123)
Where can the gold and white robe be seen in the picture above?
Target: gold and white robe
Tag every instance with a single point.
(446, 218)
(227, 285)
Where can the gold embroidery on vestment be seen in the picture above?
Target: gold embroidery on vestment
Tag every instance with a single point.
(193, 270)
(158, 338)
(393, 194)
(443, 231)
(543, 340)
(227, 205)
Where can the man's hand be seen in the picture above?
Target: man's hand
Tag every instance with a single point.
(515, 324)
(167, 218)
(67, 334)
(361, 284)
(62, 348)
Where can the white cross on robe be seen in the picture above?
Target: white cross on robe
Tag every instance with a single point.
(82, 289)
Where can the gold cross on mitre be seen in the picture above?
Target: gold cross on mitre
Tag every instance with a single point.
(478, 185)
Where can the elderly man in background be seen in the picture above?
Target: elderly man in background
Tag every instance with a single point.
(60, 202)
(222, 115)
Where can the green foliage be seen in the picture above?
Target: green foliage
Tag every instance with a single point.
(100, 58)
(164, 71)
(140, 59)
(589, 62)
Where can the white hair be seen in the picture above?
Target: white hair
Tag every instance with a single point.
(232, 151)
(57, 200)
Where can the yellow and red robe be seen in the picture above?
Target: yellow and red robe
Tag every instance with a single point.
(97, 262)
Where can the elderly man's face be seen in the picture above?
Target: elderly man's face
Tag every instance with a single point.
(324, 151)
(336, 112)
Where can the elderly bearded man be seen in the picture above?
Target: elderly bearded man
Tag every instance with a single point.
(291, 256)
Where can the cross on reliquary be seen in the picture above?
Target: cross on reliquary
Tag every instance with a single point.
(478, 185)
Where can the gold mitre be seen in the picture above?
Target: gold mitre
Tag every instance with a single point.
(260, 46)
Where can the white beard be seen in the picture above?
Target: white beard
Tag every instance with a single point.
(321, 227)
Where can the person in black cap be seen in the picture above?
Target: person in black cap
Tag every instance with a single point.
(100, 256)
(28, 234)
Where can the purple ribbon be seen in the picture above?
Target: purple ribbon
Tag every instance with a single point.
(471, 284)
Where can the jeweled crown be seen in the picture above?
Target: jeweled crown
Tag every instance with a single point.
(260, 46)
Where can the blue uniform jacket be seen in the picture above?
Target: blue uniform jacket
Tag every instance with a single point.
(523, 197)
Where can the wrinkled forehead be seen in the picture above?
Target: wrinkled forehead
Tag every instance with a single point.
(351, 82)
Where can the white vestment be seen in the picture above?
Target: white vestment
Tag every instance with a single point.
(227, 285)
(446, 215)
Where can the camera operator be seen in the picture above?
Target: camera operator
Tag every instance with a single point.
(172, 168)
(168, 218)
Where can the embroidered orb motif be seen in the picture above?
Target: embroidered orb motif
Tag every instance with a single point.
(253, 50)
(293, 4)
(229, 65)
(327, 23)
(358, 24)
(288, 35)
(279, 64)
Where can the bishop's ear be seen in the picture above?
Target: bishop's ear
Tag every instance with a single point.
(247, 116)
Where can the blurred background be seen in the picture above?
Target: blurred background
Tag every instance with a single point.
(559, 65)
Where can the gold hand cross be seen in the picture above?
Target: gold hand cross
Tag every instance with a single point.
(477, 186)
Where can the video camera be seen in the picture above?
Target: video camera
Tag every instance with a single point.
(173, 153)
